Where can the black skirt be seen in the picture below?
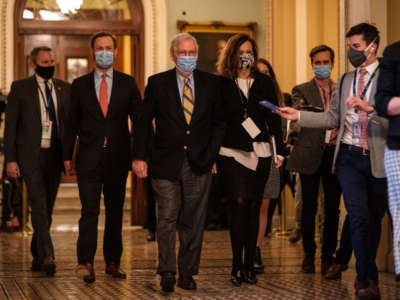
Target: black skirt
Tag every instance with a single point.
(239, 181)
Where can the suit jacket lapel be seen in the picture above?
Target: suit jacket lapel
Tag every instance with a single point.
(198, 93)
(374, 83)
(93, 96)
(172, 88)
(59, 95)
(113, 93)
(36, 98)
(315, 95)
(346, 88)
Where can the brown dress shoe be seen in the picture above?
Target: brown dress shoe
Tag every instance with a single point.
(49, 267)
(369, 293)
(114, 270)
(335, 271)
(86, 272)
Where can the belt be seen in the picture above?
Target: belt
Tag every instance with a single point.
(359, 150)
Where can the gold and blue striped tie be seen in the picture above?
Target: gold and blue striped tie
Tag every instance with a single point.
(187, 101)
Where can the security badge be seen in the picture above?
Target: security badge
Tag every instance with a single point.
(356, 130)
(46, 133)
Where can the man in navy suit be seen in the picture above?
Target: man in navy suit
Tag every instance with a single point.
(101, 104)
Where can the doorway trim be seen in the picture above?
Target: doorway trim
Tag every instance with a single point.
(155, 36)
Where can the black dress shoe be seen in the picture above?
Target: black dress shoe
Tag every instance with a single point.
(167, 282)
(49, 267)
(151, 237)
(236, 278)
(308, 265)
(187, 283)
(37, 266)
(258, 264)
(325, 267)
(86, 272)
(295, 237)
(249, 277)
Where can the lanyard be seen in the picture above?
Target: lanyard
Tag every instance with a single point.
(366, 87)
(45, 100)
(243, 100)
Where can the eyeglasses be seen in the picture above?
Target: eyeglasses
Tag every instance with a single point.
(187, 53)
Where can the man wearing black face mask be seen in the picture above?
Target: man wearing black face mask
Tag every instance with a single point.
(34, 125)
(359, 151)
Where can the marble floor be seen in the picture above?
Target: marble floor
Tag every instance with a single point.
(282, 279)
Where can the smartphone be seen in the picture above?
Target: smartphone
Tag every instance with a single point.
(269, 105)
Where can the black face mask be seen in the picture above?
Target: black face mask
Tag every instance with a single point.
(356, 57)
(45, 72)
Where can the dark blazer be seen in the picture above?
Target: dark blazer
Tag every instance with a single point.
(389, 86)
(236, 136)
(310, 144)
(174, 138)
(23, 127)
(87, 121)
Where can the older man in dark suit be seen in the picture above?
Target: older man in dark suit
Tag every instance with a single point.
(312, 157)
(101, 104)
(185, 104)
(35, 117)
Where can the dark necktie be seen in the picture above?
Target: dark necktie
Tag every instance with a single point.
(52, 114)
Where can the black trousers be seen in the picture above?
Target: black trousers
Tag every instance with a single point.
(182, 205)
(243, 231)
(105, 178)
(332, 192)
(42, 186)
(151, 219)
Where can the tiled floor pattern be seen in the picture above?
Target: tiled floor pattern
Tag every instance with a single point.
(282, 279)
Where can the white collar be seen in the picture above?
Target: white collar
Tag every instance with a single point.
(370, 68)
(41, 80)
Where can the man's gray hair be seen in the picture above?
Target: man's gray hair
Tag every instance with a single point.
(180, 37)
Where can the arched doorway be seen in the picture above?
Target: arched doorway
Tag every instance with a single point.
(67, 29)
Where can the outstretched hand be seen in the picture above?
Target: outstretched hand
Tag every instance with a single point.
(288, 113)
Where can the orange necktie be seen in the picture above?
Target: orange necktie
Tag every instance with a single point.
(104, 100)
(104, 95)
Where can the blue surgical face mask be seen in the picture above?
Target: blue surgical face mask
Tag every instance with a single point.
(104, 59)
(186, 63)
(322, 72)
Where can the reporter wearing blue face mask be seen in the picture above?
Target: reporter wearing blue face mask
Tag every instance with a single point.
(101, 104)
(185, 104)
(312, 157)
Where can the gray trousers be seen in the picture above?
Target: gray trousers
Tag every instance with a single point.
(182, 205)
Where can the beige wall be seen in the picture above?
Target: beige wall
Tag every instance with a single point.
(236, 11)
(293, 39)
(393, 21)
(323, 28)
(284, 43)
